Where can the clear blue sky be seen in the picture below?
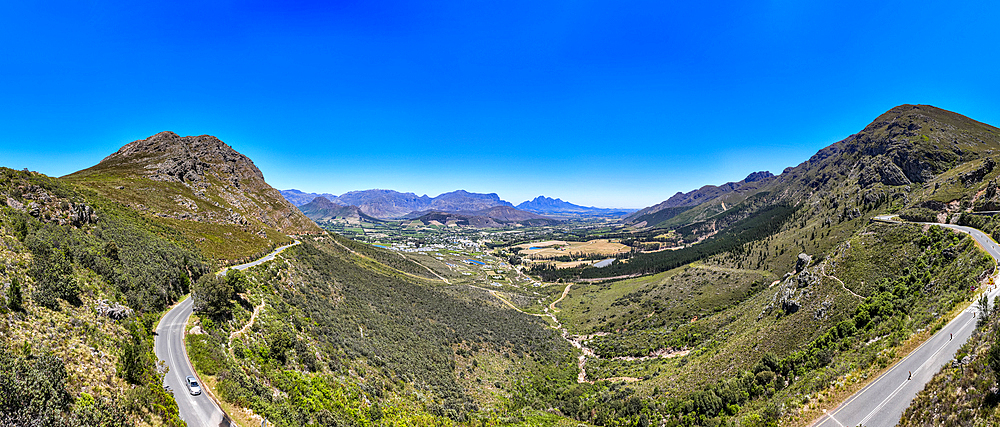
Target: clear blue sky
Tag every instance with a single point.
(599, 103)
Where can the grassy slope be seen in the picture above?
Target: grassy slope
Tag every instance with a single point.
(125, 182)
(218, 241)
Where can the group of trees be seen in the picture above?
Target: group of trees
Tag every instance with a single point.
(213, 294)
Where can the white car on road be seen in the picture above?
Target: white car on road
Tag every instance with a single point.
(193, 386)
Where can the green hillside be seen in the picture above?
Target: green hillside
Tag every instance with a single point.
(84, 282)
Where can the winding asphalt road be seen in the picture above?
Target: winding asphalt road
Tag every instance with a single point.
(201, 410)
(882, 402)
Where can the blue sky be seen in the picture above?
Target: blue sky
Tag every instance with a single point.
(604, 103)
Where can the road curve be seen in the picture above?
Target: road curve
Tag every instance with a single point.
(262, 260)
(882, 402)
(201, 410)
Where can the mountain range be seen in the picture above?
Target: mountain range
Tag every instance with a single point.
(387, 204)
(390, 204)
(322, 209)
(732, 192)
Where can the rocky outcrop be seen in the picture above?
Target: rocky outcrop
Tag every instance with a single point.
(990, 199)
(880, 169)
(803, 261)
(978, 174)
(112, 310)
(82, 214)
(793, 291)
(37, 202)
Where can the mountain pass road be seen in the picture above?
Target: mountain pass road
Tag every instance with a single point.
(882, 402)
(200, 410)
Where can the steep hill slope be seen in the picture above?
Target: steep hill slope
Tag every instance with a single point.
(850, 297)
(340, 339)
(730, 192)
(334, 333)
(194, 183)
(83, 279)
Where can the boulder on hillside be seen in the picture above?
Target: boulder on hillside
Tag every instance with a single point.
(113, 311)
(803, 262)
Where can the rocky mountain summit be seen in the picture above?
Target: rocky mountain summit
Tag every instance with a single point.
(199, 179)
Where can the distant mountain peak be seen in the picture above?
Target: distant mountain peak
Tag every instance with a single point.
(758, 176)
(557, 207)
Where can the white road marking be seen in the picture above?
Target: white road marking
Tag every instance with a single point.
(832, 418)
(894, 392)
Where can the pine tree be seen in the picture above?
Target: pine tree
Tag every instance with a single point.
(14, 301)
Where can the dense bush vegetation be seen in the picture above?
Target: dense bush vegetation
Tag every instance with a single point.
(33, 393)
(213, 295)
(919, 215)
(338, 331)
(149, 271)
